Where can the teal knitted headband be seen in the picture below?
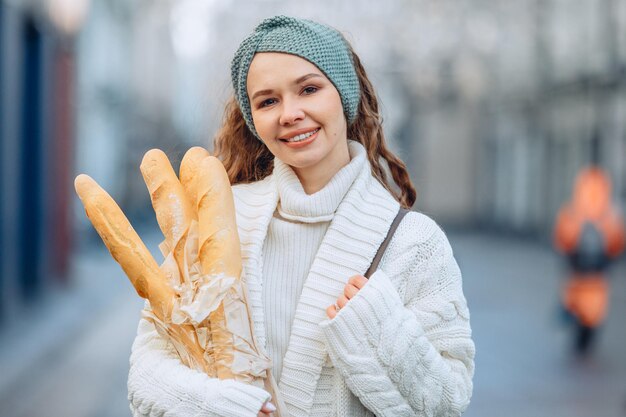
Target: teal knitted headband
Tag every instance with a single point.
(319, 44)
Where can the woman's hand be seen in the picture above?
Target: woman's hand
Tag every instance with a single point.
(266, 410)
(353, 286)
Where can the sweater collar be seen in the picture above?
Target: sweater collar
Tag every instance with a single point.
(356, 231)
(295, 204)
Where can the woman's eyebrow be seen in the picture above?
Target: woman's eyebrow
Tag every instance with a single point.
(297, 81)
(306, 77)
(261, 93)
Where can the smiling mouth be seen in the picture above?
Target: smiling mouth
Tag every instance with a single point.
(300, 138)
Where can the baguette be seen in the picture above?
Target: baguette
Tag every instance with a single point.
(135, 259)
(206, 181)
(190, 171)
(219, 251)
(202, 250)
(236, 352)
(125, 245)
(173, 209)
(219, 247)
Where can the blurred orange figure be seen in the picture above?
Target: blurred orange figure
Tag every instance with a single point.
(590, 232)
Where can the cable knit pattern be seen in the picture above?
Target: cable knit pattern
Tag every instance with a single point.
(401, 347)
(411, 357)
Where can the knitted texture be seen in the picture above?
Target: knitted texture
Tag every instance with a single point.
(319, 44)
(416, 343)
(160, 385)
(293, 238)
(401, 347)
(288, 253)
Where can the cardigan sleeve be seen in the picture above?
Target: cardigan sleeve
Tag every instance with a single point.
(411, 357)
(159, 384)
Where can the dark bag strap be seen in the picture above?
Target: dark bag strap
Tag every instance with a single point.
(383, 246)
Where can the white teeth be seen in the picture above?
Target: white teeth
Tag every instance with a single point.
(302, 136)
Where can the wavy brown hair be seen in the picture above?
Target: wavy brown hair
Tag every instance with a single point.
(247, 159)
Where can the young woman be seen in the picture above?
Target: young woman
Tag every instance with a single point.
(303, 145)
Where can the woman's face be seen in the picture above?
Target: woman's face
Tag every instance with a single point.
(297, 112)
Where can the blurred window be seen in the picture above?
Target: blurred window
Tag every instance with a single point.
(2, 144)
(30, 206)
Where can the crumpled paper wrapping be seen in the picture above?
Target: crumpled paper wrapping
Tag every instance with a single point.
(197, 296)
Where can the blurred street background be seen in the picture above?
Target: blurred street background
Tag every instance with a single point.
(494, 106)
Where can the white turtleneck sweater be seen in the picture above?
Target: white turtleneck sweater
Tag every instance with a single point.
(294, 235)
(401, 347)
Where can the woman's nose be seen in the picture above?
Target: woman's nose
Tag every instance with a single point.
(291, 112)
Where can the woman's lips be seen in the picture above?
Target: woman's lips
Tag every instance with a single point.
(302, 143)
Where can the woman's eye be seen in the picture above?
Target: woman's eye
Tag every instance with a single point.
(310, 89)
(267, 102)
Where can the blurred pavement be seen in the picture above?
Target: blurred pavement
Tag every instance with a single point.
(71, 358)
(524, 361)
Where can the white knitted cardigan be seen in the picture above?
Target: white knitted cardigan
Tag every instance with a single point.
(401, 347)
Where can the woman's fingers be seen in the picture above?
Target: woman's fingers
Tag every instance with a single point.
(358, 281)
(268, 407)
(331, 312)
(350, 291)
(342, 301)
(353, 286)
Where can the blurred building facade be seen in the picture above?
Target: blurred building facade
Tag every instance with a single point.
(504, 100)
(492, 105)
(37, 149)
